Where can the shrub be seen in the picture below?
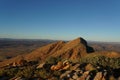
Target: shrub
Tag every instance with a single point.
(11, 72)
(26, 72)
(41, 73)
(52, 60)
(2, 72)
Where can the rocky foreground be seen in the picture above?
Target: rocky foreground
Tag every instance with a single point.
(73, 60)
(62, 70)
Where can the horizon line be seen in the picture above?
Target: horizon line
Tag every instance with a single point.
(59, 40)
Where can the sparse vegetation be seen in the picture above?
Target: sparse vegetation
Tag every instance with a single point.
(8, 72)
(11, 48)
(52, 60)
(26, 72)
(102, 60)
(43, 73)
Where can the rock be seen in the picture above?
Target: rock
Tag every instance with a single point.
(112, 78)
(105, 73)
(75, 67)
(71, 79)
(66, 67)
(84, 76)
(61, 66)
(118, 78)
(65, 74)
(53, 78)
(21, 62)
(103, 78)
(66, 62)
(19, 78)
(58, 66)
(14, 64)
(75, 76)
(52, 67)
(88, 77)
(98, 76)
(89, 67)
(41, 65)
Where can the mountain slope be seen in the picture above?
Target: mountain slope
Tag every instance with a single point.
(72, 50)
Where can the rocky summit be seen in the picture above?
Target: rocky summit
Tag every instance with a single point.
(71, 60)
(73, 50)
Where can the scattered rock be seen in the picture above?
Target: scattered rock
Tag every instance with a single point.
(18, 78)
(61, 66)
(74, 67)
(41, 65)
(98, 76)
(75, 76)
(65, 74)
(89, 67)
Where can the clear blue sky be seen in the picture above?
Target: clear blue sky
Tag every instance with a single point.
(97, 20)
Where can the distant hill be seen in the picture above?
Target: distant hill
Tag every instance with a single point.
(12, 47)
(105, 46)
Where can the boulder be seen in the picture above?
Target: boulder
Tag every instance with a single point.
(41, 65)
(98, 76)
(65, 74)
(84, 76)
(19, 78)
(75, 76)
(89, 67)
(74, 67)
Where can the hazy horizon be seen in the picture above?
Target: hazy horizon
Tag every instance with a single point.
(60, 20)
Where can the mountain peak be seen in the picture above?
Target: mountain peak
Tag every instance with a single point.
(77, 41)
(81, 40)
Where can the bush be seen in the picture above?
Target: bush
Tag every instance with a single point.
(41, 73)
(11, 72)
(2, 72)
(8, 72)
(52, 60)
(26, 72)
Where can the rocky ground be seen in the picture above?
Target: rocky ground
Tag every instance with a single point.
(62, 70)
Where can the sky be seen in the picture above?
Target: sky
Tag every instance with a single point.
(95, 20)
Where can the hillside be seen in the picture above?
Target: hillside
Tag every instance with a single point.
(13, 47)
(72, 50)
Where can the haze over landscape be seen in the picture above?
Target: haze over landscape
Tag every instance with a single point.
(96, 20)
